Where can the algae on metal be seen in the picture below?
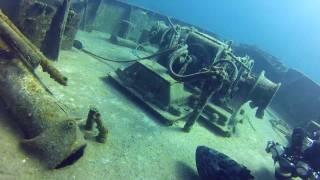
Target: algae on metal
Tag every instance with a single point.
(49, 130)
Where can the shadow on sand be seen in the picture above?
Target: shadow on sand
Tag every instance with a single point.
(263, 174)
(185, 172)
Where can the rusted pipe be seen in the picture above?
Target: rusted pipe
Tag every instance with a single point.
(49, 131)
(28, 52)
(95, 117)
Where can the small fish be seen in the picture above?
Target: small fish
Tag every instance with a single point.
(6, 55)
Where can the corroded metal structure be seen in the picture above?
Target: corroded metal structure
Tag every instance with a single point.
(201, 78)
(34, 19)
(49, 24)
(71, 29)
(262, 93)
(49, 130)
(94, 116)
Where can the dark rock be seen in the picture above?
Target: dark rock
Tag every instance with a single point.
(6, 55)
(78, 44)
(212, 164)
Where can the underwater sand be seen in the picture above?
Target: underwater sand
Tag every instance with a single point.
(138, 145)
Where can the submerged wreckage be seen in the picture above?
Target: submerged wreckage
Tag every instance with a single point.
(49, 130)
(192, 75)
(196, 76)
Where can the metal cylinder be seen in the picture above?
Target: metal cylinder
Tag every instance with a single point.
(49, 131)
(262, 93)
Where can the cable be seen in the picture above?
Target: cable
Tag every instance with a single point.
(179, 52)
(135, 50)
(235, 68)
(179, 77)
(172, 25)
(132, 60)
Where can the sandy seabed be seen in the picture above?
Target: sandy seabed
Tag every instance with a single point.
(138, 145)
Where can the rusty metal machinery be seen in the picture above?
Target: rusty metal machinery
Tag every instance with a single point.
(159, 90)
(262, 93)
(200, 79)
(49, 131)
